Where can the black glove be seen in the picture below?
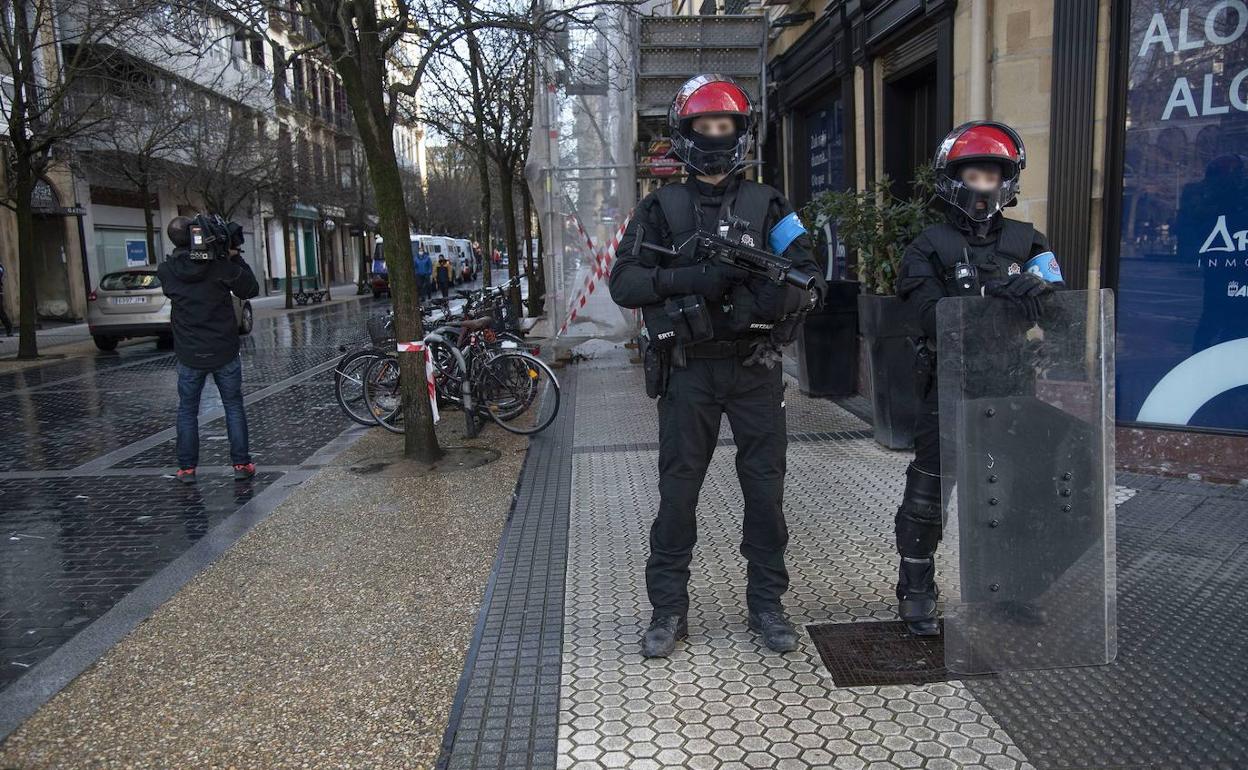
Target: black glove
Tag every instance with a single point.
(709, 279)
(1024, 290)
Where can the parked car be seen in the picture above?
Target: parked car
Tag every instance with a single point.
(129, 303)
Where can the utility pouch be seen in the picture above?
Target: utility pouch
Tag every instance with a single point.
(659, 326)
(690, 318)
(657, 367)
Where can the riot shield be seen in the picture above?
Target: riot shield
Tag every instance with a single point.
(1027, 464)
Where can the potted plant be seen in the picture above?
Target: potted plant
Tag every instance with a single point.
(876, 225)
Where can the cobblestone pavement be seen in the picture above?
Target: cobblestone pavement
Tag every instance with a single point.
(1171, 699)
(88, 510)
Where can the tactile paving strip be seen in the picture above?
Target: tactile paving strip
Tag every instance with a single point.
(507, 712)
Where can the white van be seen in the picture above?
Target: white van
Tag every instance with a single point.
(457, 250)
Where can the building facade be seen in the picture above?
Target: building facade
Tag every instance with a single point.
(1135, 118)
(232, 125)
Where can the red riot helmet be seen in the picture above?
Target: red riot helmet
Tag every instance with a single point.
(710, 95)
(980, 141)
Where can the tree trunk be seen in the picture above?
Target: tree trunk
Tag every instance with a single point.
(507, 185)
(149, 228)
(327, 260)
(483, 161)
(419, 440)
(289, 254)
(530, 263)
(27, 342)
(356, 55)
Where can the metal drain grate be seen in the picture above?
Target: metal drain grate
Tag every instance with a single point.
(876, 654)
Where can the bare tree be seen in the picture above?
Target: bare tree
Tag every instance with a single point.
(50, 50)
(148, 130)
(382, 52)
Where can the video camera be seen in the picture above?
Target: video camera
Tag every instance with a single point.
(214, 238)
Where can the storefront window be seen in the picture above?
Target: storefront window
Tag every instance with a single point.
(825, 144)
(113, 252)
(1183, 270)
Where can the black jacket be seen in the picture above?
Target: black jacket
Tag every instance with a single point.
(205, 329)
(633, 276)
(919, 281)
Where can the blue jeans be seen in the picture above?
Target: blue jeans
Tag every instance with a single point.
(229, 379)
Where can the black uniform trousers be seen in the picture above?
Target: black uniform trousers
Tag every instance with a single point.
(689, 417)
(927, 433)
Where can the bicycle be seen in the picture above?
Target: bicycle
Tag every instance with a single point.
(351, 369)
(500, 383)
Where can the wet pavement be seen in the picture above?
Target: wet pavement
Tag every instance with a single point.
(88, 507)
(557, 680)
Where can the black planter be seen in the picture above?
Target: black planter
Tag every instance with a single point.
(888, 328)
(827, 344)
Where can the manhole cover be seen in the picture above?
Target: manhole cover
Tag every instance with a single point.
(455, 458)
(876, 654)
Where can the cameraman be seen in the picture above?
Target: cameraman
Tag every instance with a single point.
(199, 282)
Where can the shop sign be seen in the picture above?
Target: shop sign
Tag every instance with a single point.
(136, 253)
(1182, 354)
(657, 162)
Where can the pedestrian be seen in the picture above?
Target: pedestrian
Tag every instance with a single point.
(4, 316)
(729, 368)
(205, 340)
(424, 270)
(443, 273)
(977, 175)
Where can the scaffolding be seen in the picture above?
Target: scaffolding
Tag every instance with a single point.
(581, 170)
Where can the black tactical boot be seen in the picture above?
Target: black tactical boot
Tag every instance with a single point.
(917, 594)
(661, 637)
(778, 633)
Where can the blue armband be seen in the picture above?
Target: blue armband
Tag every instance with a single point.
(785, 232)
(1045, 265)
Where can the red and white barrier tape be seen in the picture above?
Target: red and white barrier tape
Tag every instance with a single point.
(419, 347)
(599, 269)
(580, 226)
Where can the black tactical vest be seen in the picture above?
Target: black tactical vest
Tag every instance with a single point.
(682, 209)
(1005, 257)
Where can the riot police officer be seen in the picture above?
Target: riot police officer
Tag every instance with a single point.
(715, 333)
(976, 251)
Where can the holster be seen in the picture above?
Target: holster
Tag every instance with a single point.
(657, 365)
(924, 367)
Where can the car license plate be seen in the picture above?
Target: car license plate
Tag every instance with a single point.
(129, 300)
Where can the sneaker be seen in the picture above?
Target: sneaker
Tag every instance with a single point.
(660, 638)
(244, 471)
(186, 475)
(778, 633)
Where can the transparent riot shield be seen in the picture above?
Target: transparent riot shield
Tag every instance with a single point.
(1027, 464)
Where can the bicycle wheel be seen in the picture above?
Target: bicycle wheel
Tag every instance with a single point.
(447, 377)
(518, 391)
(349, 385)
(381, 392)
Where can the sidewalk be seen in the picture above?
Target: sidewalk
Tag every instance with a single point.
(329, 636)
(228, 676)
(864, 701)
